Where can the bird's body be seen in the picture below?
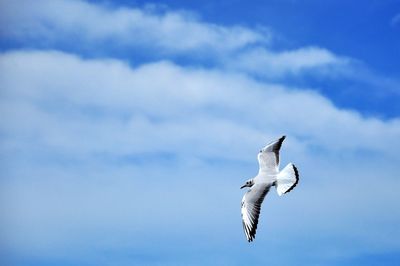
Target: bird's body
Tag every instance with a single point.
(268, 176)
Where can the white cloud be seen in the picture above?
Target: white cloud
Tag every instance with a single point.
(97, 29)
(166, 33)
(86, 135)
(177, 92)
(294, 62)
(82, 23)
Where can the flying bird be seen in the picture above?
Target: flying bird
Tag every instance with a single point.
(267, 177)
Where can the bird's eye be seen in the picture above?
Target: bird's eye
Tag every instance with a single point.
(260, 151)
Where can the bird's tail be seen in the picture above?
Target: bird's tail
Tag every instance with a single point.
(287, 179)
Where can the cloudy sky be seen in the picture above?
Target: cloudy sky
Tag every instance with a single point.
(127, 128)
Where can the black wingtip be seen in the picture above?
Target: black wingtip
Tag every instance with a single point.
(251, 238)
(280, 141)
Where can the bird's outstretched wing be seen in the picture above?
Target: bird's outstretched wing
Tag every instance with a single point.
(251, 207)
(268, 157)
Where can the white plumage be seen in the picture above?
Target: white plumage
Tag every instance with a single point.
(268, 176)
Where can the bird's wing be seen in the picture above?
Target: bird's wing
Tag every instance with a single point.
(251, 206)
(268, 157)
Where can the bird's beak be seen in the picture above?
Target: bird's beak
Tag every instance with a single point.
(243, 186)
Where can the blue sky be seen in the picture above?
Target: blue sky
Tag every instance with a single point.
(129, 126)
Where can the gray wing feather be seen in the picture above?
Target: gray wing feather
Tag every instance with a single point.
(268, 157)
(251, 207)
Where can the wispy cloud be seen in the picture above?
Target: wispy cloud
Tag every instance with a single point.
(293, 62)
(99, 137)
(74, 22)
(129, 91)
(162, 33)
(166, 33)
(151, 34)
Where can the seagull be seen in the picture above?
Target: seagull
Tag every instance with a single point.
(268, 176)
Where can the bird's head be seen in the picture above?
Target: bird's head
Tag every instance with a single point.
(248, 183)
